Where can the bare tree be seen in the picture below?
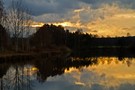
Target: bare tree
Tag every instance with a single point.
(1, 10)
(1, 15)
(18, 21)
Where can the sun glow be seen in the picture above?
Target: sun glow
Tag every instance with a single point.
(36, 24)
(64, 24)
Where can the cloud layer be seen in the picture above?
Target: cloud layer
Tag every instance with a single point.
(121, 3)
(84, 14)
(39, 7)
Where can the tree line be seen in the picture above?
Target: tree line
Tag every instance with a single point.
(49, 35)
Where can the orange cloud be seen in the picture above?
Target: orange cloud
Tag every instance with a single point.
(37, 24)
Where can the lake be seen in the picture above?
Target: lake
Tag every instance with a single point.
(69, 73)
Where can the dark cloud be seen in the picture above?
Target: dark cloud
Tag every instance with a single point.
(97, 3)
(39, 7)
(122, 3)
(97, 87)
(126, 86)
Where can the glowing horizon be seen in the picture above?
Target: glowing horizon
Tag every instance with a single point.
(104, 18)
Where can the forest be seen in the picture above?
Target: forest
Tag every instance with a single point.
(51, 37)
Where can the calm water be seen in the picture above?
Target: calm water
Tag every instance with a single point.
(74, 73)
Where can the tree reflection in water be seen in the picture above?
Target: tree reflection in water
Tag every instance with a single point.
(57, 66)
(17, 78)
(21, 75)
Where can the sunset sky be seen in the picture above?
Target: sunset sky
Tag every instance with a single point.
(102, 17)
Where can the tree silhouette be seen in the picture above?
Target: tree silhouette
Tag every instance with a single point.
(1, 10)
(3, 38)
(18, 22)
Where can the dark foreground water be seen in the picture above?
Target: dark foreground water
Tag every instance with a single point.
(72, 73)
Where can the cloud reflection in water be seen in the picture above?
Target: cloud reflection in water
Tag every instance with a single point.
(109, 74)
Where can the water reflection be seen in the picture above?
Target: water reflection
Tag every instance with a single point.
(18, 78)
(108, 74)
(73, 73)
